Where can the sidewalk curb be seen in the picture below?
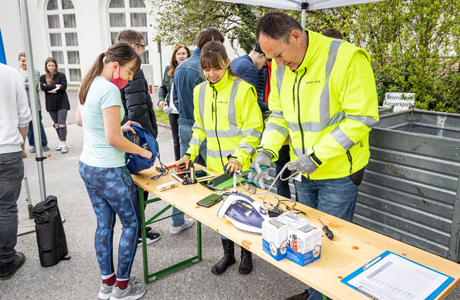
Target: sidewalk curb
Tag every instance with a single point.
(164, 125)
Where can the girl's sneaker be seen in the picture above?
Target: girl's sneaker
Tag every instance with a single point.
(58, 148)
(64, 149)
(132, 292)
(105, 291)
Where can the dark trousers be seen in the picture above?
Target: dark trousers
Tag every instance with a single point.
(175, 134)
(30, 133)
(11, 175)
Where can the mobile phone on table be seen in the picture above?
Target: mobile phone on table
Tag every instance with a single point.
(210, 200)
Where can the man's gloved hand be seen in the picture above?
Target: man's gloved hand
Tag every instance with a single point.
(259, 168)
(231, 167)
(304, 165)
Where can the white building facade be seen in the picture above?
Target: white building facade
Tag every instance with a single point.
(75, 32)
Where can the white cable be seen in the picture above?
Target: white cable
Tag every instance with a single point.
(266, 204)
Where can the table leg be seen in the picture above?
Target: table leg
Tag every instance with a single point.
(149, 278)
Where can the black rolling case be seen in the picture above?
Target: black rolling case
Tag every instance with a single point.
(52, 244)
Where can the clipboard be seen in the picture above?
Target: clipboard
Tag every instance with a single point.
(377, 267)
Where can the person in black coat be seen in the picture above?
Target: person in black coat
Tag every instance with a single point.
(54, 84)
(138, 105)
(135, 95)
(180, 54)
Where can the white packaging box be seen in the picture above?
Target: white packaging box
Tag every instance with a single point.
(274, 237)
(302, 239)
(293, 219)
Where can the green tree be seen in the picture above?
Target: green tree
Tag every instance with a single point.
(414, 44)
(179, 21)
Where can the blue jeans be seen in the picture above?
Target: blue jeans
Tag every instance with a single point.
(185, 135)
(11, 175)
(113, 192)
(30, 133)
(336, 197)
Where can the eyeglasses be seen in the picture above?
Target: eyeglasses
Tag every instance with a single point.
(143, 46)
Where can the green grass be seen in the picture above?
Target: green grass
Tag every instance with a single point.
(161, 116)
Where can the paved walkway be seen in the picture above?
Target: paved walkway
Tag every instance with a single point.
(79, 278)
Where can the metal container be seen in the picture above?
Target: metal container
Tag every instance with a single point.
(411, 186)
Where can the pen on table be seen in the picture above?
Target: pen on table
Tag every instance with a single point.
(369, 264)
(363, 290)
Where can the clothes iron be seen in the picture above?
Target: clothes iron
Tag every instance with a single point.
(244, 213)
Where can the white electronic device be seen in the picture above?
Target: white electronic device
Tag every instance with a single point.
(167, 186)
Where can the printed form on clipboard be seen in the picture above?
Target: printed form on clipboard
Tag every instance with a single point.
(393, 277)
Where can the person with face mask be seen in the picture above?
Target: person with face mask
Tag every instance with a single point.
(227, 115)
(102, 167)
(54, 84)
(180, 54)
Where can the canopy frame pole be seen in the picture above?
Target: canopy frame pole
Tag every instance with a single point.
(33, 97)
(305, 7)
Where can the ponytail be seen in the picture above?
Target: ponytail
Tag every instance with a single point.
(95, 70)
(121, 53)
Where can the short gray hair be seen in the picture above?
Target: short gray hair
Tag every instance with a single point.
(277, 25)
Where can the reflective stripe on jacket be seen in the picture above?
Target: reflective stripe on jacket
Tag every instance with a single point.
(327, 105)
(228, 116)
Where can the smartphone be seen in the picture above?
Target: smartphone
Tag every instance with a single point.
(210, 200)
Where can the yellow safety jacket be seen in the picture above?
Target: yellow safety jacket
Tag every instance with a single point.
(327, 106)
(228, 116)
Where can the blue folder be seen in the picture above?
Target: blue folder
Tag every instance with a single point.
(378, 258)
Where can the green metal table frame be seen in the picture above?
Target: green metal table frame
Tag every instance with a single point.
(149, 278)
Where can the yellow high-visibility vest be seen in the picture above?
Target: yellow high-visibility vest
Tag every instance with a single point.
(327, 106)
(228, 116)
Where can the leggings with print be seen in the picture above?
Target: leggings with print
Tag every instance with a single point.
(113, 192)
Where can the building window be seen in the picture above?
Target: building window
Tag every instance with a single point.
(128, 14)
(63, 38)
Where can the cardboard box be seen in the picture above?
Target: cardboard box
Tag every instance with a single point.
(274, 237)
(304, 244)
(293, 219)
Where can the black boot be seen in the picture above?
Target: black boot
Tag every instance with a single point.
(8, 270)
(246, 262)
(227, 260)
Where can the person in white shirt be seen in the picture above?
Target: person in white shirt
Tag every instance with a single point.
(14, 123)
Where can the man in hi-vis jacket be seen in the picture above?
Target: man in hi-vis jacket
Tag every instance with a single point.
(323, 95)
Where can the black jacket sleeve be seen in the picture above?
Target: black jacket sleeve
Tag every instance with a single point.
(43, 86)
(137, 103)
(165, 87)
(63, 82)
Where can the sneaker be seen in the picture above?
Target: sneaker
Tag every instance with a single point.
(187, 224)
(151, 237)
(32, 149)
(148, 228)
(45, 148)
(8, 270)
(132, 292)
(58, 148)
(105, 291)
(64, 149)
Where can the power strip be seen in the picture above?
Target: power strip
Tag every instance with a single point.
(167, 186)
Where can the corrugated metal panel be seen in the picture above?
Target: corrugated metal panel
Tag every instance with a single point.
(411, 185)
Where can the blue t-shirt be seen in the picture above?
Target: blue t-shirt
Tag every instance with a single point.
(96, 150)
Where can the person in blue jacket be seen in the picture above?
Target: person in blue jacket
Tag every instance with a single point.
(247, 68)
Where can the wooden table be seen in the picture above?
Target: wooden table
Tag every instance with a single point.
(352, 247)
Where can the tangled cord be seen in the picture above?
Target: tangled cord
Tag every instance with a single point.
(278, 201)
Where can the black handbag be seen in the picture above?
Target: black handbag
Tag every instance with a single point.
(51, 240)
